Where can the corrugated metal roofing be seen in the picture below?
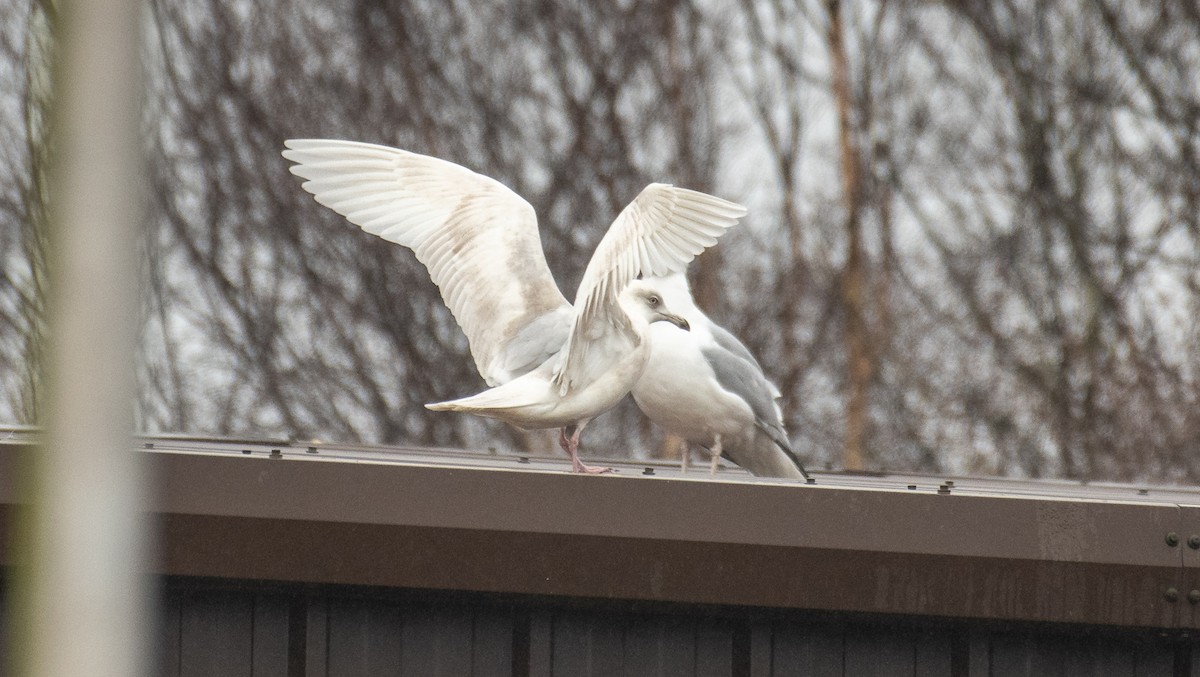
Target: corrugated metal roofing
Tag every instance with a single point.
(624, 467)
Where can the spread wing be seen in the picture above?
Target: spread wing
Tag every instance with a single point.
(478, 239)
(658, 233)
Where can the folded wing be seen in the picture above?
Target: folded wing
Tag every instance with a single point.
(478, 239)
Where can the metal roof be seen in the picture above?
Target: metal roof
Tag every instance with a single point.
(666, 469)
(406, 517)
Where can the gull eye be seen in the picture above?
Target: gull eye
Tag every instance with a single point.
(653, 301)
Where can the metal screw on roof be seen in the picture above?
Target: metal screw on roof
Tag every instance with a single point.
(912, 487)
(648, 471)
(1194, 542)
(246, 451)
(1171, 595)
(275, 453)
(944, 489)
(1172, 539)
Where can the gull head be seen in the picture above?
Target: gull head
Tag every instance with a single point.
(676, 293)
(643, 300)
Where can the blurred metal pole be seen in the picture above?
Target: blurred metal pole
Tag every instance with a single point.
(82, 602)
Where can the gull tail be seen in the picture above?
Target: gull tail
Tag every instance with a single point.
(774, 458)
(510, 396)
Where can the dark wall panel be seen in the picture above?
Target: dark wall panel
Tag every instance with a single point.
(5, 628)
(660, 647)
(804, 649)
(539, 640)
(220, 631)
(364, 639)
(385, 638)
(587, 646)
(270, 639)
(215, 634)
(856, 650)
(935, 654)
(566, 644)
(1099, 658)
(437, 642)
(316, 637)
(878, 652)
(166, 637)
(759, 653)
(1151, 661)
(492, 648)
(1035, 655)
(714, 649)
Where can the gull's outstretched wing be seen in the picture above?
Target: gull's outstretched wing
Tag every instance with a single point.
(478, 239)
(658, 233)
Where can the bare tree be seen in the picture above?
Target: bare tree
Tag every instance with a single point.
(972, 245)
(25, 52)
(1060, 246)
(315, 329)
(853, 274)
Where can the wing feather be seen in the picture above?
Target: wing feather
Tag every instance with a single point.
(658, 233)
(478, 239)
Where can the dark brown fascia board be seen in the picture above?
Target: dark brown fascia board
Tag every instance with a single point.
(631, 537)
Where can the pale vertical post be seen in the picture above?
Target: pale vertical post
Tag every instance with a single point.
(82, 604)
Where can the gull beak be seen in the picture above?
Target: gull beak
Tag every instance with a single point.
(676, 320)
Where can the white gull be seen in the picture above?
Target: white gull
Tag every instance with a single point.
(706, 387)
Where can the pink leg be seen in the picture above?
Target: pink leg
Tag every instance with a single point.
(571, 446)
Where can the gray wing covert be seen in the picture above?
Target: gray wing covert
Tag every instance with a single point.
(745, 379)
(729, 342)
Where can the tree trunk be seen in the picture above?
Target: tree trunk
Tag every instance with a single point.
(858, 358)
